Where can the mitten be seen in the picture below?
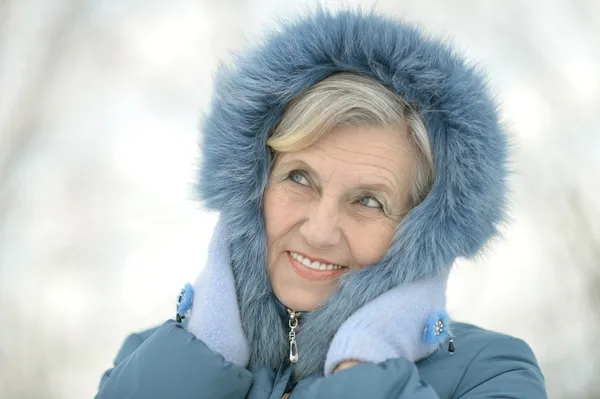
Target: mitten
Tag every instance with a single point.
(215, 316)
(408, 321)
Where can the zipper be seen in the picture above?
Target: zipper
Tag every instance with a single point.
(293, 323)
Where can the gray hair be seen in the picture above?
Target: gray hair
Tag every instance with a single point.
(352, 99)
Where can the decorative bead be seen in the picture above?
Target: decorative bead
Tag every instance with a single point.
(435, 330)
(184, 302)
(439, 327)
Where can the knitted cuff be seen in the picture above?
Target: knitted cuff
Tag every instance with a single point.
(361, 346)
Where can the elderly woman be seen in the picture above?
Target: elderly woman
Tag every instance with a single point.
(352, 160)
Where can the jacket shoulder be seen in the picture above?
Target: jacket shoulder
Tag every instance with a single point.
(484, 362)
(132, 342)
(168, 361)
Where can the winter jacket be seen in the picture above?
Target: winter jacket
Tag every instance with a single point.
(460, 214)
(169, 362)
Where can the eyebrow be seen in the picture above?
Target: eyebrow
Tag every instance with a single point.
(377, 187)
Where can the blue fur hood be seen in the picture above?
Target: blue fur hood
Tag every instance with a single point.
(458, 217)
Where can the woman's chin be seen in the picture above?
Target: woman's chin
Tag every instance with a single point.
(299, 302)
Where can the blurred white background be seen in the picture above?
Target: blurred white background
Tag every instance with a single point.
(99, 108)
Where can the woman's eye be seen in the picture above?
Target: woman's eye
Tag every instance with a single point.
(298, 177)
(370, 202)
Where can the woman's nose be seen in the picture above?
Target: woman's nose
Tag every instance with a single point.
(321, 228)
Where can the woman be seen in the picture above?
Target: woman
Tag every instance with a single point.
(352, 160)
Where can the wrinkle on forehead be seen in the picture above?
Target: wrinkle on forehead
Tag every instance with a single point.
(389, 155)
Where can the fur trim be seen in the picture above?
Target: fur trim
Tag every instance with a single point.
(458, 217)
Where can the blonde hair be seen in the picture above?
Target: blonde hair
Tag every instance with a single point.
(351, 99)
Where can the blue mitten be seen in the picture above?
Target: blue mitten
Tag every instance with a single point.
(215, 316)
(403, 322)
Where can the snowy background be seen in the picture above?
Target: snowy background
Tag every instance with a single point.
(99, 108)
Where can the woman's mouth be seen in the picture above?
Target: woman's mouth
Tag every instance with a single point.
(313, 269)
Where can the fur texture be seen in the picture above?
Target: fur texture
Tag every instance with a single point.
(457, 218)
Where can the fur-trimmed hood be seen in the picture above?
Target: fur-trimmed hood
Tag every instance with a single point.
(458, 217)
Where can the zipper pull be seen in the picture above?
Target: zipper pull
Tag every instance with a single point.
(293, 323)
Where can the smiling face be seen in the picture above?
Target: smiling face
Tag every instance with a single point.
(333, 208)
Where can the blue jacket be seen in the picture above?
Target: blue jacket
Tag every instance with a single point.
(460, 214)
(169, 362)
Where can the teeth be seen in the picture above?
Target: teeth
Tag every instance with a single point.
(316, 265)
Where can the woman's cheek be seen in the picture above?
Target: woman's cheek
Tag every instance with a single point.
(369, 245)
(283, 209)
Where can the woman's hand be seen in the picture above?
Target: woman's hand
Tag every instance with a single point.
(215, 315)
(346, 365)
(391, 326)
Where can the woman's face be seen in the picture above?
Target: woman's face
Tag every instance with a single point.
(333, 208)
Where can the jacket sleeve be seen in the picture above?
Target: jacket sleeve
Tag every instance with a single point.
(394, 378)
(171, 362)
(505, 368)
